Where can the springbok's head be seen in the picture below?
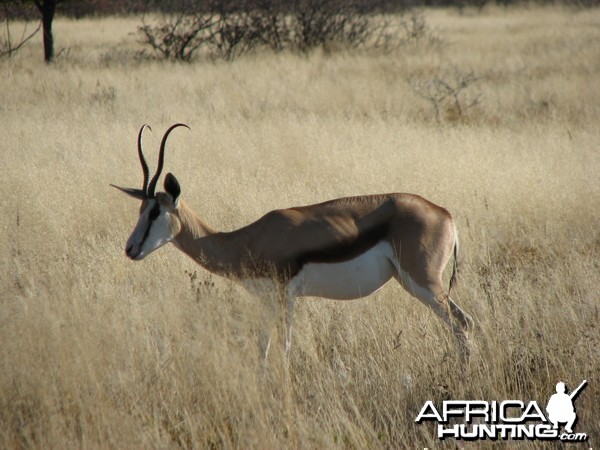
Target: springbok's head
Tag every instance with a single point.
(157, 223)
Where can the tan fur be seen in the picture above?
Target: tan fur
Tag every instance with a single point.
(333, 240)
(421, 233)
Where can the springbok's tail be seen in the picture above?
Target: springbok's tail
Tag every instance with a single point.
(454, 276)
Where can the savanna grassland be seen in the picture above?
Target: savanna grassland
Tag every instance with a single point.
(99, 352)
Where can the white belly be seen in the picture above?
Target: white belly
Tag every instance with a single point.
(346, 280)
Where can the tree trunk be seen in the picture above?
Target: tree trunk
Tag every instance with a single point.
(47, 8)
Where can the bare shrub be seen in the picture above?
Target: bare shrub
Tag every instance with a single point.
(178, 36)
(416, 31)
(227, 29)
(239, 31)
(449, 92)
(325, 23)
(407, 29)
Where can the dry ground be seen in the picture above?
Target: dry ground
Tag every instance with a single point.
(100, 352)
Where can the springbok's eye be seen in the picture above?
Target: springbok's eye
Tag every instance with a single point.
(154, 212)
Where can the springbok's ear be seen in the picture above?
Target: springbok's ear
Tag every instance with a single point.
(135, 193)
(172, 187)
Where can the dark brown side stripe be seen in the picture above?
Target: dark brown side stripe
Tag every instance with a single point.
(346, 250)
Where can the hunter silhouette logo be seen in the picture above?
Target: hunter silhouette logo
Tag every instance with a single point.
(560, 406)
(509, 419)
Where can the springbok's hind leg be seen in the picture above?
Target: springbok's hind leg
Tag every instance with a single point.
(461, 325)
(459, 322)
(464, 321)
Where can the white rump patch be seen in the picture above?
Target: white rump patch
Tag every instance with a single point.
(355, 278)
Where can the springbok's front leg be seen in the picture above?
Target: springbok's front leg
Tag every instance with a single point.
(267, 320)
(264, 343)
(291, 301)
(273, 314)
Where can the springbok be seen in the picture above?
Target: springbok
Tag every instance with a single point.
(342, 249)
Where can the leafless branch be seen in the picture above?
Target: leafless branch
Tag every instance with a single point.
(7, 48)
(448, 91)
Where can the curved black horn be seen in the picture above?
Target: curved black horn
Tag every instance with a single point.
(143, 160)
(161, 159)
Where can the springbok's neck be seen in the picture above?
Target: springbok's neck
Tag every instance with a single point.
(211, 249)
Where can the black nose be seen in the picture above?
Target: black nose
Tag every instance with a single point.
(128, 250)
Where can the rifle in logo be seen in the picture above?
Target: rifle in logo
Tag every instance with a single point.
(560, 406)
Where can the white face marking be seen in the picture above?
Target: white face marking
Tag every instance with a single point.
(355, 278)
(152, 231)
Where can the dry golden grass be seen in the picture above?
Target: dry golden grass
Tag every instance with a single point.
(100, 352)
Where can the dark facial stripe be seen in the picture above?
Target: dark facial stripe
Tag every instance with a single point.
(152, 216)
(154, 212)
